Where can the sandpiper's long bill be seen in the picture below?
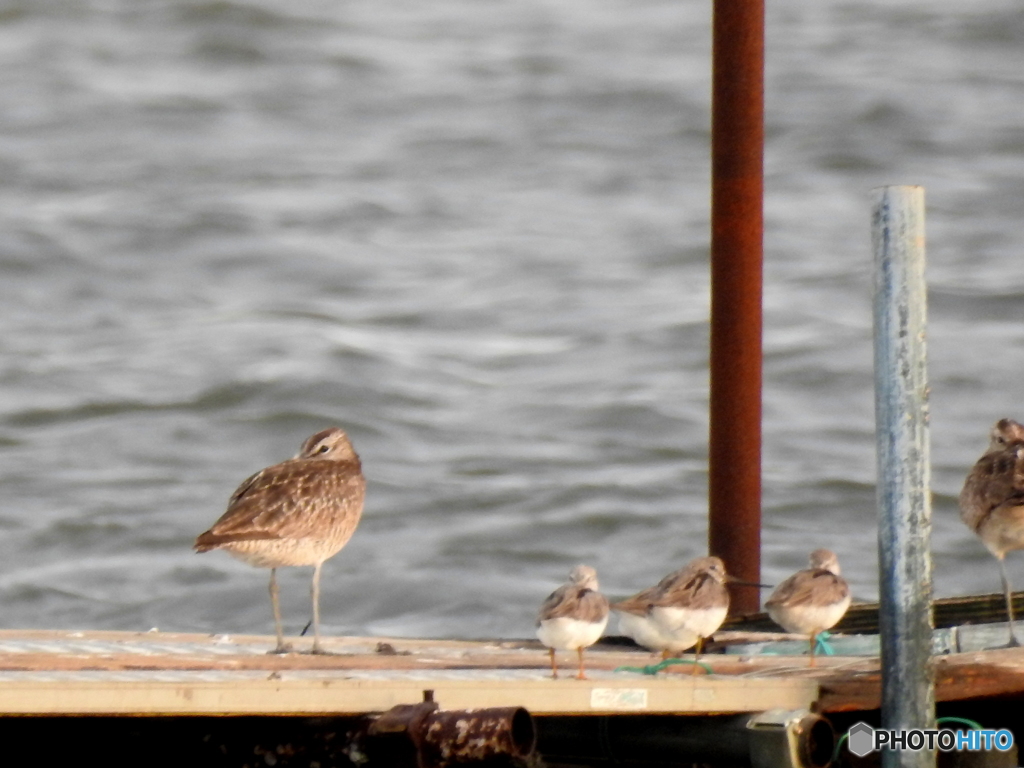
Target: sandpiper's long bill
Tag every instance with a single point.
(812, 600)
(573, 617)
(992, 501)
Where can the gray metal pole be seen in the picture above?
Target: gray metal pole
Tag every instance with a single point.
(904, 495)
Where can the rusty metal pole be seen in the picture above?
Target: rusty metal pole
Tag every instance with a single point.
(737, 185)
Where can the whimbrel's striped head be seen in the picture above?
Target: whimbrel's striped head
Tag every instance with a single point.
(331, 444)
(1005, 432)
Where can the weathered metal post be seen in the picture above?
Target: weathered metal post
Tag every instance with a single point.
(904, 492)
(737, 150)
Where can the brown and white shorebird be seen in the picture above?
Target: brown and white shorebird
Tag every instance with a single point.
(692, 601)
(636, 623)
(573, 617)
(299, 512)
(812, 600)
(992, 500)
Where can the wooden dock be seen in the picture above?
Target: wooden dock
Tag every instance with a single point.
(158, 673)
(58, 676)
(115, 673)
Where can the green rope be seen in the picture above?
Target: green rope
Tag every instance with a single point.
(839, 746)
(653, 669)
(822, 645)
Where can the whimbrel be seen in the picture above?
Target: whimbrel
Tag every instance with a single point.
(299, 512)
(992, 500)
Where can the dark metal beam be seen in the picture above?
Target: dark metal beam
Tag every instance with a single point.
(737, 183)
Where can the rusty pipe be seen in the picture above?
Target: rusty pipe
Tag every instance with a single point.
(501, 735)
(422, 736)
(737, 187)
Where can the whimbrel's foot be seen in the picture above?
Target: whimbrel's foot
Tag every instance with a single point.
(282, 648)
(316, 650)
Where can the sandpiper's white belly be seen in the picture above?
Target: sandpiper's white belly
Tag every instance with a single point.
(565, 633)
(648, 634)
(805, 619)
(699, 621)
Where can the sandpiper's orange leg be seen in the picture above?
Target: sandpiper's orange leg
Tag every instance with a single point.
(581, 675)
(554, 666)
(696, 656)
(814, 637)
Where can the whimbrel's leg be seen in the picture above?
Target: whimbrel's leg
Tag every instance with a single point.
(1014, 642)
(554, 666)
(581, 675)
(281, 647)
(316, 609)
(814, 638)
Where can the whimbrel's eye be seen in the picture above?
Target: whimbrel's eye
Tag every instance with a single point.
(324, 449)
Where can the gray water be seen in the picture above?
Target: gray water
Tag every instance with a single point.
(475, 235)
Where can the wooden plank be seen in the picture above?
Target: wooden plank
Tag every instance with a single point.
(958, 677)
(54, 672)
(322, 694)
(177, 674)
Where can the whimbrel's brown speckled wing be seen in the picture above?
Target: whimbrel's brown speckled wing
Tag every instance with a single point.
(292, 499)
(997, 479)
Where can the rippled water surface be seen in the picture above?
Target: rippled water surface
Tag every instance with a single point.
(475, 235)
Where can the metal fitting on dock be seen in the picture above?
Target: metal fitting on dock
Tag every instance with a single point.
(790, 739)
(422, 736)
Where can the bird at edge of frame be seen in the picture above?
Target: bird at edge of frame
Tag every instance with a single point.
(573, 617)
(992, 502)
(297, 513)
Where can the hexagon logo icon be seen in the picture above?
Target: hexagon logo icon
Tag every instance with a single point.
(861, 739)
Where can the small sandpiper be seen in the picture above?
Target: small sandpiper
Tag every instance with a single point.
(299, 512)
(573, 617)
(812, 600)
(636, 623)
(992, 501)
(692, 601)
